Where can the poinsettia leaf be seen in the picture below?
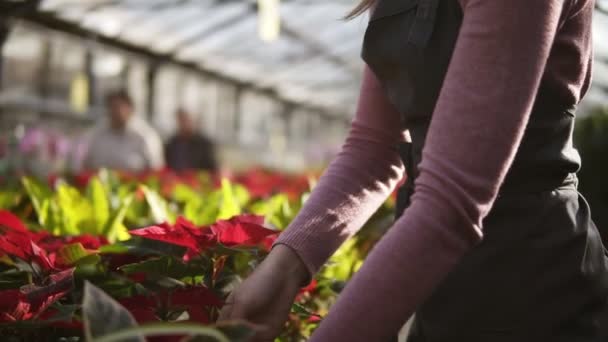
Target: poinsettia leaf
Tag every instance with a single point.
(164, 266)
(55, 287)
(64, 312)
(116, 248)
(143, 246)
(167, 282)
(74, 211)
(10, 198)
(302, 311)
(89, 266)
(100, 203)
(158, 206)
(12, 222)
(70, 254)
(194, 209)
(13, 278)
(40, 257)
(184, 194)
(241, 230)
(168, 234)
(15, 245)
(103, 315)
(115, 229)
(40, 196)
(12, 307)
(230, 206)
(277, 210)
(195, 296)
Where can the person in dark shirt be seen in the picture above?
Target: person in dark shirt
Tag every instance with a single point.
(188, 149)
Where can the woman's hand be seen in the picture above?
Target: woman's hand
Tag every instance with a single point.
(266, 296)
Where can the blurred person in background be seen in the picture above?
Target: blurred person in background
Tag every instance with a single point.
(125, 141)
(188, 149)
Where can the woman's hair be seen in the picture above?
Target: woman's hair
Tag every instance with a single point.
(363, 6)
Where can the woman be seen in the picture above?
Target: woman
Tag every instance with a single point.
(488, 87)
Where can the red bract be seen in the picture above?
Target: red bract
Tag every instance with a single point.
(51, 314)
(196, 300)
(11, 222)
(31, 300)
(243, 230)
(22, 247)
(311, 287)
(143, 308)
(262, 184)
(269, 241)
(17, 241)
(82, 179)
(177, 234)
(308, 289)
(52, 244)
(15, 245)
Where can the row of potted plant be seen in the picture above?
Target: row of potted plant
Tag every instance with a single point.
(114, 257)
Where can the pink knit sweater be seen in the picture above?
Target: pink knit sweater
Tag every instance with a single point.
(505, 48)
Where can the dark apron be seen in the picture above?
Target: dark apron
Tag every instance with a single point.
(541, 272)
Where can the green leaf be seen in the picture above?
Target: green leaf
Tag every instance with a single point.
(100, 203)
(276, 210)
(13, 279)
(9, 199)
(65, 313)
(193, 210)
(184, 194)
(89, 266)
(158, 206)
(143, 247)
(102, 316)
(72, 253)
(115, 248)
(75, 211)
(40, 196)
(164, 266)
(302, 311)
(115, 230)
(230, 206)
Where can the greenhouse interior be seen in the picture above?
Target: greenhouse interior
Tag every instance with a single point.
(234, 109)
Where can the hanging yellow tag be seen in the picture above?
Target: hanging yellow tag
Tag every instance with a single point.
(79, 93)
(269, 20)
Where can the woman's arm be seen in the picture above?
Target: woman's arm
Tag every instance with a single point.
(478, 123)
(356, 183)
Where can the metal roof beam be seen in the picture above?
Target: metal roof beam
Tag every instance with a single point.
(50, 21)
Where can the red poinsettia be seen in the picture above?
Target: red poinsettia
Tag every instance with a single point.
(239, 231)
(197, 301)
(10, 222)
(182, 233)
(243, 230)
(31, 300)
(310, 288)
(52, 244)
(17, 241)
(261, 184)
(82, 179)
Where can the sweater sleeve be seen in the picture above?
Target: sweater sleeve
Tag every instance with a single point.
(355, 184)
(478, 123)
